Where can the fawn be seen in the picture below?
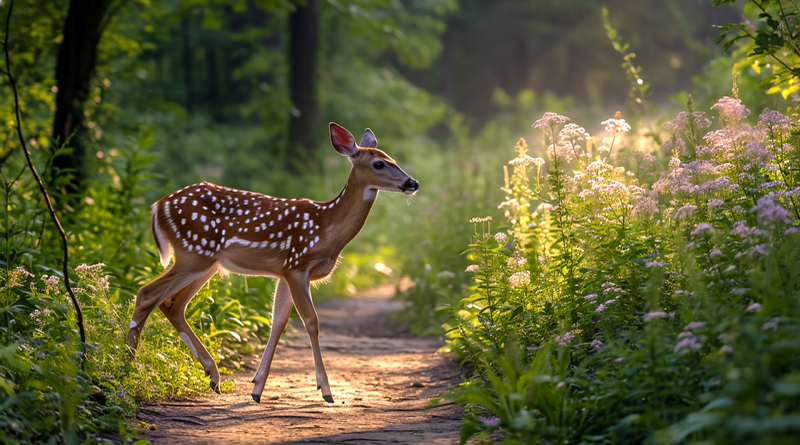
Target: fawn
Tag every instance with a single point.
(209, 228)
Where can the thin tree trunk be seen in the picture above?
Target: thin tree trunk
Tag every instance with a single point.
(186, 56)
(77, 57)
(303, 47)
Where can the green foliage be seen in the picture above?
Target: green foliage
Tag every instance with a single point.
(665, 311)
(769, 35)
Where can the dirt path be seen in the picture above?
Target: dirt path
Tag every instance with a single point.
(381, 378)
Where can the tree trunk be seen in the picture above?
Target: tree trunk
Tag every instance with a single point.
(186, 60)
(303, 46)
(77, 57)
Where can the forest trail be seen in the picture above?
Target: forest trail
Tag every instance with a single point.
(381, 378)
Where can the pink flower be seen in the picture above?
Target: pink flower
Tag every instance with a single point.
(489, 420)
(694, 325)
(596, 345)
(753, 307)
(472, 268)
(600, 308)
(550, 119)
(500, 237)
(688, 343)
(565, 340)
(770, 325)
(658, 314)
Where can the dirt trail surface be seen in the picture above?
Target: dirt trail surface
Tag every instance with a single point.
(381, 378)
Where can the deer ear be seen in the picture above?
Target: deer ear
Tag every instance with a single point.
(368, 140)
(343, 142)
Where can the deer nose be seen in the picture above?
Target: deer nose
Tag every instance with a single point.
(410, 185)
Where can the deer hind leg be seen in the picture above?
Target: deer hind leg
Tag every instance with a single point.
(281, 309)
(301, 296)
(154, 293)
(174, 308)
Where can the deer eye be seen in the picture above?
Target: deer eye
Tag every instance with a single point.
(379, 165)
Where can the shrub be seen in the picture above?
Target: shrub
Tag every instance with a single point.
(653, 300)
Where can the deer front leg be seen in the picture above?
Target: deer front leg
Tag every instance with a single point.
(281, 309)
(174, 308)
(301, 295)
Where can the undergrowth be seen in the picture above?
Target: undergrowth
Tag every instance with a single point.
(640, 296)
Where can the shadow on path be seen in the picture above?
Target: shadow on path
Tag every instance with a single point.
(381, 378)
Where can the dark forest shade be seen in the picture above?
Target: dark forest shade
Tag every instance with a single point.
(77, 57)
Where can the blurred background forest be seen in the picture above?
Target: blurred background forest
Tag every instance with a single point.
(123, 101)
(240, 94)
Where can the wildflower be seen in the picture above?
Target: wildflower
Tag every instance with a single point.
(491, 421)
(565, 340)
(685, 211)
(648, 158)
(520, 279)
(688, 343)
(645, 206)
(472, 268)
(703, 227)
(500, 237)
(620, 359)
(550, 119)
(694, 325)
(16, 276)
(596, 345)
(563, 150)
(656, 264)
(674, 163)
(725, 349)
(590, 296)
(658, 314)
(731, 110)
(774, 120)
(523, 160)
(84, 267)
(480, 220)
(770, 213)
(674, 145)
(681, 122)
(616, 126)
(600, 308)
(770, 325)
(713, 203)
(560, 385)
(753, 307)
(739, 291)
(715, 253)
(517, 262)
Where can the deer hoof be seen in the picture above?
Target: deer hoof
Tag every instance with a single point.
(256, 397)
(328, 398)
(318, 387)
(215, 387)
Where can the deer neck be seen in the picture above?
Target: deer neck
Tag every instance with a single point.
(350, 210)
